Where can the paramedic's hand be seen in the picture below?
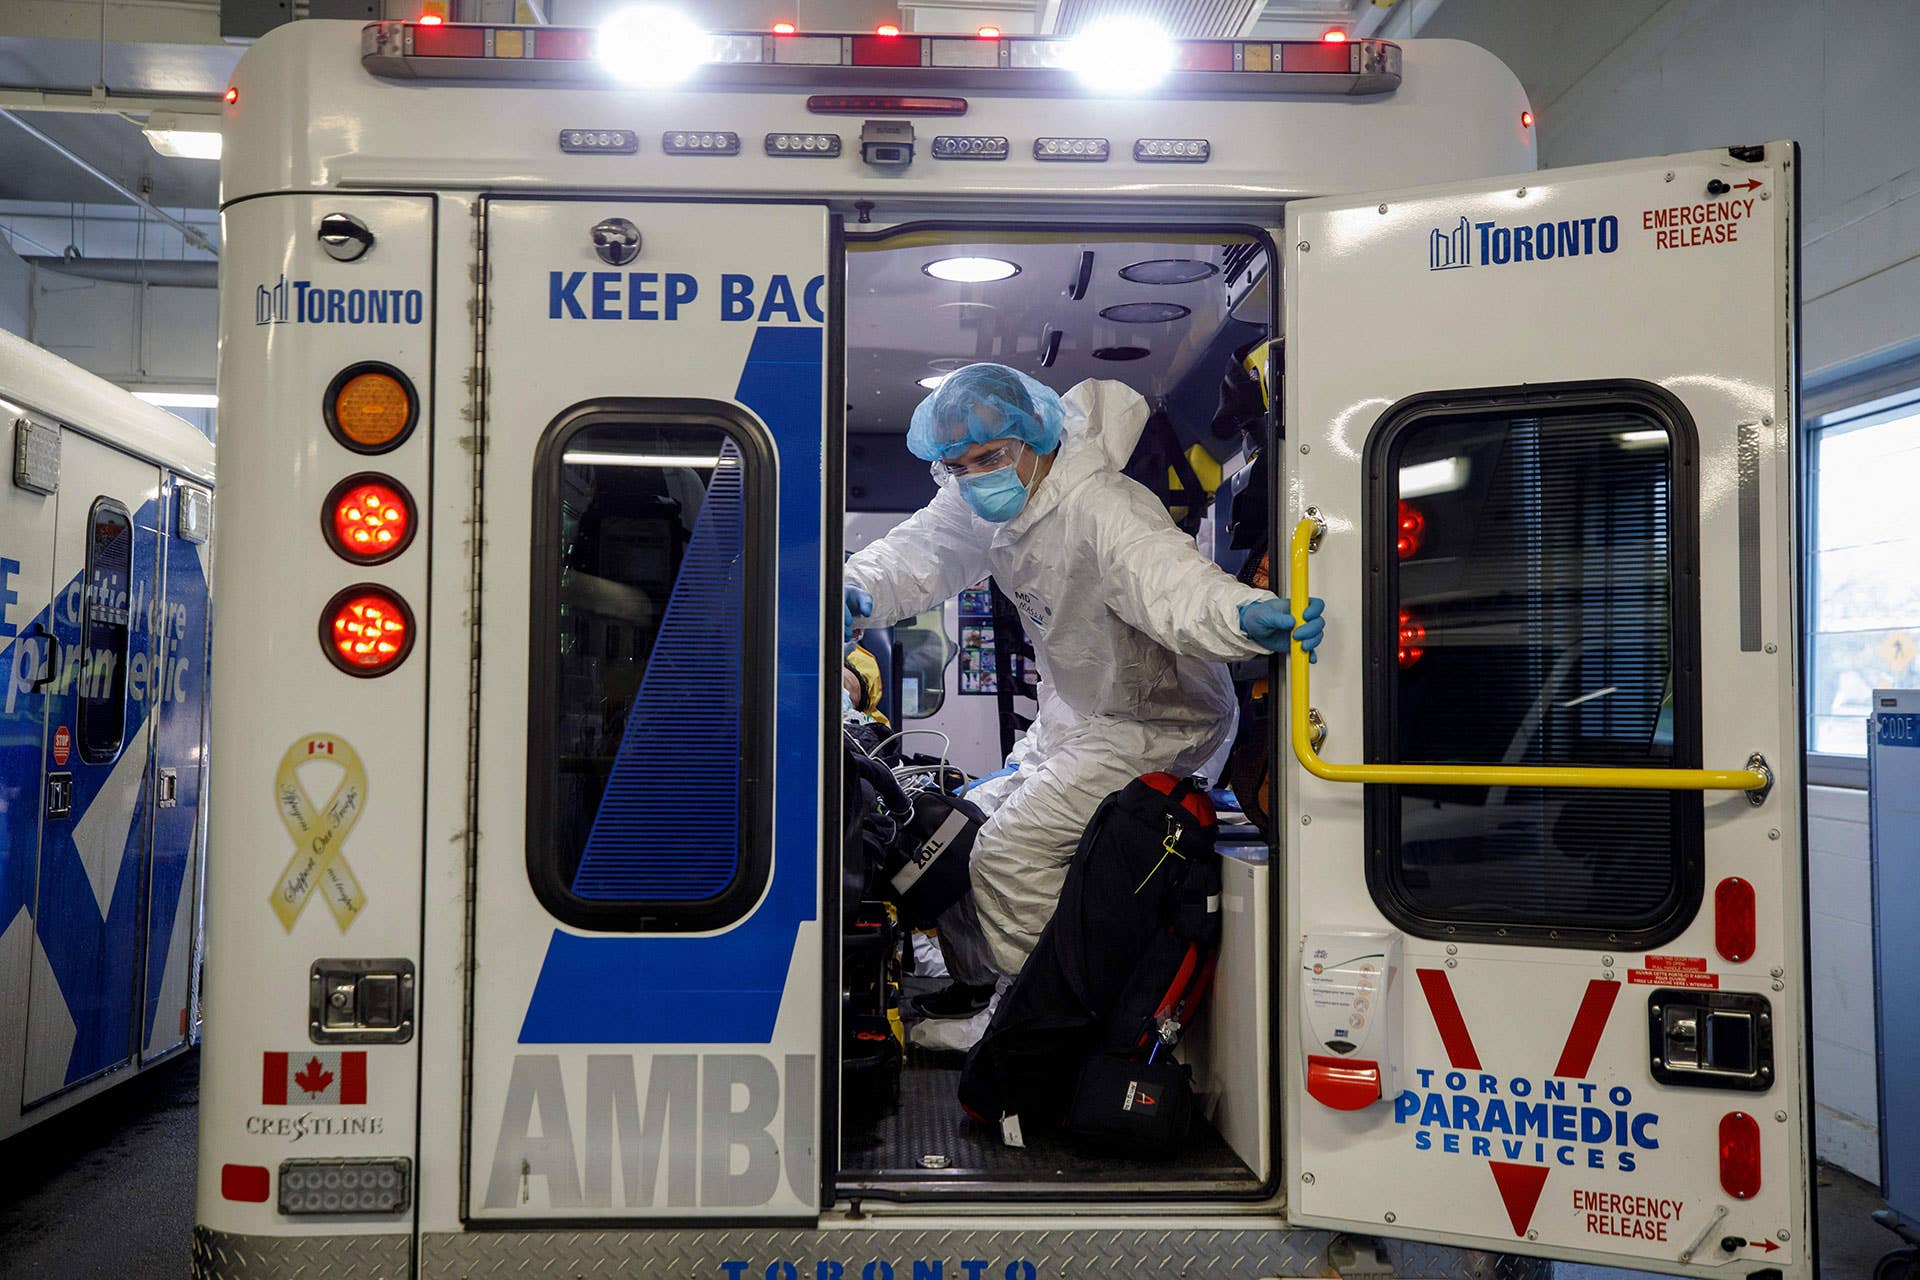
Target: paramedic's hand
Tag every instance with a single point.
(856, 609)
(1268, 624)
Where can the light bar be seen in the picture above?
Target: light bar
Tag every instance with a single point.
(757, 59)
(815, 145)
(624, 142)
(1172, 150)
(969, 147)
(1094, 149)
(345, 1186)
(706, 142)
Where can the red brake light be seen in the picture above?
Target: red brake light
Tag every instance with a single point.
(1411, 527)
(1740, 1155)
(233, 95)
(862, 104)
(886, 29)
(1526, 119)
(784, 29)
(1733, 919)
(1334, 36)
(1412, 640)
(366, 630)
(369, 518)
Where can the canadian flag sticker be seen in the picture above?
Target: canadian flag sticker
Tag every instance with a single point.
(314, 1079)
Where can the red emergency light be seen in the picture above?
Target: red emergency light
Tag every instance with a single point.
(988, 33)
(785, 29)
(886, 29)
(885, 49)
(1334, 36)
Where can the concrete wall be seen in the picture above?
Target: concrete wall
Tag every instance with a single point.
(1640, 77)
(134, 335)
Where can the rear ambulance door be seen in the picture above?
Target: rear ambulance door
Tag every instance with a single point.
(647, 1016)
(1547, 428)
(90, 899)
(178, 694)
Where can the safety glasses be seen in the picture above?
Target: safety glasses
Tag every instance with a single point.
(1001, 457)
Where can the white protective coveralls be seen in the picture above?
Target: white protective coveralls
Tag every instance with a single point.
(1129, 622)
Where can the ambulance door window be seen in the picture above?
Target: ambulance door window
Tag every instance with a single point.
(925, 651)
(650, 681)
(1535, 605)
(106, 633)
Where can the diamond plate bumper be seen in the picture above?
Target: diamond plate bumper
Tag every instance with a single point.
(219, 1255)
(865, 1255)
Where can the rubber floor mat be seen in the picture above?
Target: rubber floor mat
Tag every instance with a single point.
(929, 1140)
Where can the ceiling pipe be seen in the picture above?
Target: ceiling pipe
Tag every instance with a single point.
(193, 234)
(167, 272)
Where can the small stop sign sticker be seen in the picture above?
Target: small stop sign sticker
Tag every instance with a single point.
(62, 745)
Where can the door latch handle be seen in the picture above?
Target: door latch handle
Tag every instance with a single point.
(53, 657)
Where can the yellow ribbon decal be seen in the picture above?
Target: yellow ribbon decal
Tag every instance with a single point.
(319, 832)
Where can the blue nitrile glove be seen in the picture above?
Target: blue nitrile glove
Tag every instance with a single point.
(854, 603)
(1268, 624)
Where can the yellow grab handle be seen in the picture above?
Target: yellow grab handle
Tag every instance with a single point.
(1754, 781)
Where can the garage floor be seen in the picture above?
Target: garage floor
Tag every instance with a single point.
(106, 1191)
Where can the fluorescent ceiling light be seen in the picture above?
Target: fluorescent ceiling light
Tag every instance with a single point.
(652, 46)
(1120, 55)
(188, 137)
(972, 270)
(587, 458)
(180, 399)
(1442, 475)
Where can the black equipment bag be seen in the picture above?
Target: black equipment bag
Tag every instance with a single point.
(1144, 885)
(1133, 1108)
(929, 868)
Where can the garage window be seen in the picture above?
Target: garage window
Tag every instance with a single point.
(1534, 603)
(650, 689)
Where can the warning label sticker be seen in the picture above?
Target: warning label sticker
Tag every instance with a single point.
(1688, 226)
(1621, 1217)
(1687, 972)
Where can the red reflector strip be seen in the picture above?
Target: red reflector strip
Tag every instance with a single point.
(1207, 55)
(1740, 1155)
(1316, 57)
(248, 1183)
(886, 51)
(858, 104)
(1733, 919)
(449, 42)
(561, 42)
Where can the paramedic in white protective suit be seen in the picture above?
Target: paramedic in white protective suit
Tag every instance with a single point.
(1128, 619)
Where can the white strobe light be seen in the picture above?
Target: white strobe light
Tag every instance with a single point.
(1120, 55)
(652, 46)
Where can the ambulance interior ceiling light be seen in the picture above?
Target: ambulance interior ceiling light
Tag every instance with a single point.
(972, 270)
(1642, 439)
(1168, 271)
(590, 458)
(652, 46)
(1442, 475)
(933, 380)
(1120, 55)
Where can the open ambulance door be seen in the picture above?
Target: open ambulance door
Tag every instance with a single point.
(1544, 822)
(647, 1026)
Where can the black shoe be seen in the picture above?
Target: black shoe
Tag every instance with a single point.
(955, 1000)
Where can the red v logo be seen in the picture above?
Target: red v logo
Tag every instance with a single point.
(1519, 1184)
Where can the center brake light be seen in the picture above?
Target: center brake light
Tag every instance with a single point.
(861, 104)
(786, 56)
(369, 518)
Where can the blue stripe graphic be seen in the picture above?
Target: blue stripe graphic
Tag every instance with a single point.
(726, 989)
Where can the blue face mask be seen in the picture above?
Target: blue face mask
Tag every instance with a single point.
(998, 496)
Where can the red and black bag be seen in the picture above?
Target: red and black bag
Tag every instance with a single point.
(1136, 928)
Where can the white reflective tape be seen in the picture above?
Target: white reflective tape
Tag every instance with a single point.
(923, 857)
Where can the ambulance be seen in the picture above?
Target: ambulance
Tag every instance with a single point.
(105, 559)
(555, 361)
